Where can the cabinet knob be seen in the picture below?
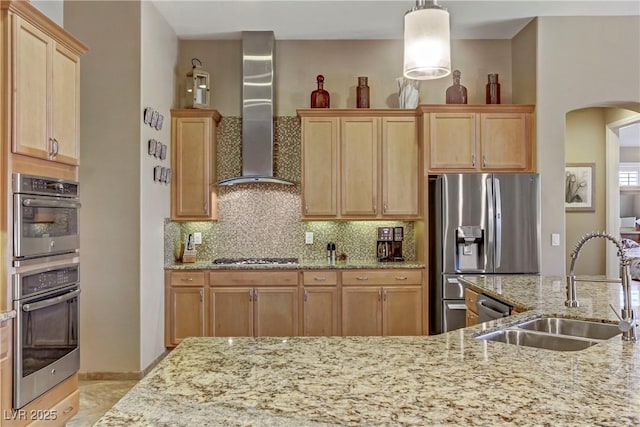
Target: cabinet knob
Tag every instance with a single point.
(319, 279)
(56, 147)
(306, 207)
(250, 294)
(401, 277)
(67, 410)
(187, 279)
(201, 295)
(306, 295)
(473, 160)
(379, 294)
(375, 209)
(362, 278)
(384, 295)
(384, 207)
(255, 295)
(484, 161)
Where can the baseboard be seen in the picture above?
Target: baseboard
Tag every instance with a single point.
(121, 376)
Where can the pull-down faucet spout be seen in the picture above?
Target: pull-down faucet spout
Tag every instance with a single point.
(627, 319)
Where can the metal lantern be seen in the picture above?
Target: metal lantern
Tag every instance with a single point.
(197, 86)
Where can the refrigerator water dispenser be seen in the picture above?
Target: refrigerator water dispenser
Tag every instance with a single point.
(469, 248)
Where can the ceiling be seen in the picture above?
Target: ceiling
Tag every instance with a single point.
(629, 136)
(376, 19)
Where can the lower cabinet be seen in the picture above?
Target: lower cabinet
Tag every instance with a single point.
(236, 303)
(320, 308)
(185, 306)
(253, 303)
(382, 302)
(471, 301)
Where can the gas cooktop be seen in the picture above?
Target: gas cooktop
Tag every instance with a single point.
(255, 261)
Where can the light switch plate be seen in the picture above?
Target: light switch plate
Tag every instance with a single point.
(197, 238)
(308, 237)
(555, 239)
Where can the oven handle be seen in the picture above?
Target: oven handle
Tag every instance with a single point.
(52, 301)
(40, 203)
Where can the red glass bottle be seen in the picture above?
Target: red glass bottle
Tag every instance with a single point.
(362, 93)
(320, 97)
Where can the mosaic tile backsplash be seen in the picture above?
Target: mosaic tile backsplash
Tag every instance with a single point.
(264, 220)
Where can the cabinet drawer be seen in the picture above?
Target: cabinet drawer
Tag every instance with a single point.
(382, 277)
(60, 413)
(253, 278)
(321, 278)
(471, 300)
(187, 278)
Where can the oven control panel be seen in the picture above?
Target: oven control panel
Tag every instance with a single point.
(39, 281)
(45, 186)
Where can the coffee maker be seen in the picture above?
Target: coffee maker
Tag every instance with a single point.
(389, 244)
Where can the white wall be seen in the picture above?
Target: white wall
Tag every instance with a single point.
(581, 62)
(110, 131)
(159, 52)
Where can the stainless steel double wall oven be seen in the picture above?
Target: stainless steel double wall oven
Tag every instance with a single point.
(46, 284)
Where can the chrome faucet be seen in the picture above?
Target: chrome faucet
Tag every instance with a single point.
(627, 318)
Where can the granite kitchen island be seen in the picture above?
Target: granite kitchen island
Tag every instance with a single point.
(448, 379)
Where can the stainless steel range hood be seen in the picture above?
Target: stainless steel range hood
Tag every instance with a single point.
(258, 53)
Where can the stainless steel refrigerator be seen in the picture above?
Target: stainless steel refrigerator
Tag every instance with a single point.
(482, 224)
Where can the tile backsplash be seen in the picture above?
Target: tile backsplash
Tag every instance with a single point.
(264, 220)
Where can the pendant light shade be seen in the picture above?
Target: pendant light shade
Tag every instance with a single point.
(427, 51)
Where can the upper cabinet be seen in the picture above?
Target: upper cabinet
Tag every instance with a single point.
(360, 164)
(45, 85)
(470, 138)
(193, 160)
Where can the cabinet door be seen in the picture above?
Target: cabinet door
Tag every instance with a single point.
(32, 50)
(65, 105)
(359, 160)
(471, 318)
(402, 310)
(320, 311)
(320, 166)
(452, 141)
(400, 163)
(276, 312)
(505, 141)
(231, 312)
(187, 313)
(361, 311)
(192, 160)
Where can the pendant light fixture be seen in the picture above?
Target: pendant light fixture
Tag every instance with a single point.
(427, 51)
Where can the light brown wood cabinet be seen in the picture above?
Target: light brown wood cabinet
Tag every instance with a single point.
(471, 301)
(45, 79)
(320, 308)
(470, 138)
(252, 303)
(384, 302)
(360, 164)
(193, 160)
(185, 306)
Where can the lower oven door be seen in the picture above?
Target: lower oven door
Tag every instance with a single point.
(46, 342)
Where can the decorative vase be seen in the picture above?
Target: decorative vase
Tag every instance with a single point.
(320, 97)
(362, 93)
(408, 92)
(493, 89)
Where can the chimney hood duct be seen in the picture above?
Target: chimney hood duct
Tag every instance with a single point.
(258, 53)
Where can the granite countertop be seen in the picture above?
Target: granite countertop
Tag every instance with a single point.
(302, 265)
(447, 379)
(7, 315)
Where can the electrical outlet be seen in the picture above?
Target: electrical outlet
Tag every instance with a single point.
(555, 239)
(308, 237)
(197, 238)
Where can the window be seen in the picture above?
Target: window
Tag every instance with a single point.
(628, 178)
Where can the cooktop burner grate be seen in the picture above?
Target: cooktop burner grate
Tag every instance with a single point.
(255, 261)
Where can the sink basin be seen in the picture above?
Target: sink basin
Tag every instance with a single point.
(554, 333)
(538, 340)
(572, 327)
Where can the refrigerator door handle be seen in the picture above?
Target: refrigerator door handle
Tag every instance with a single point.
(498, 224)
(490, 222)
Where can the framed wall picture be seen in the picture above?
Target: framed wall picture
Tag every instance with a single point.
(580, 187)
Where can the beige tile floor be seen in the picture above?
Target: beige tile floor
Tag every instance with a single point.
(96, 398)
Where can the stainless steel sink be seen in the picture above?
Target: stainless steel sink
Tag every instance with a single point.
(572, 327)
(554, 333)
(538, 340)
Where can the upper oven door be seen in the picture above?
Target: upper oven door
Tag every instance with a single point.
(44, 225)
